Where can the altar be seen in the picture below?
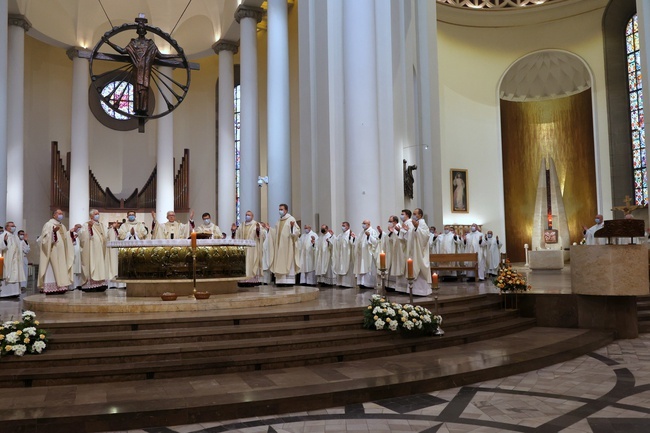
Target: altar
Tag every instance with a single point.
(546, 259)
(154, 266)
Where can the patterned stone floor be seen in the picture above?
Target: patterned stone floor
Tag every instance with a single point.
(605, 391)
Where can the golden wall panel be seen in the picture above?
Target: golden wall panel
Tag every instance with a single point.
(563, 130)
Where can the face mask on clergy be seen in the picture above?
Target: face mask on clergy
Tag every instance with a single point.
(96, 217)
(365, 226)
(403, 216)
(12, 230)
(473, 229)
(597, 220)
(446, 231)
(131, 218)
(248, 218)
(21, 237)
(281, 212)
(59, 217)
(344, 229)
(206, 221)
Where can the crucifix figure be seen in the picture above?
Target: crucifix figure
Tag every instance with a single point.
(628, 208)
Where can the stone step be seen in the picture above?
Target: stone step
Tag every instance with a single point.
(449, 307)
(134, 363)
(225, 333)
(209, 398)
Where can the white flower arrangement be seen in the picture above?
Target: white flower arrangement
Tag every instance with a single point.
(384, 315)
(20, 337)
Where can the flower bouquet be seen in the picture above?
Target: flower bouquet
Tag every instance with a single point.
(384, 315)
(22, 336)
(509, 280)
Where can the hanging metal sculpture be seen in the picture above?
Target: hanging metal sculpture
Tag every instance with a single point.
(141, 67)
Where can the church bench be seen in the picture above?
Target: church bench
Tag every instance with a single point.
(454, 262)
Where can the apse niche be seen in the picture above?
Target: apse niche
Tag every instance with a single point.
(546, 114)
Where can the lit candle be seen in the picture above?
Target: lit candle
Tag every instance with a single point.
(382, 260)
(434, 279)
(409, 267)
(193, 237)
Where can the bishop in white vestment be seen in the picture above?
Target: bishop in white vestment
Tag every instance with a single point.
(13, 271)
(172, 229)
(285, 262)
(252, 230)
(56, 256)
(92, 238)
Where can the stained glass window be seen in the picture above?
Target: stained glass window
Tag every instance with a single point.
(637, 119)
(237, 118)
(120, 95)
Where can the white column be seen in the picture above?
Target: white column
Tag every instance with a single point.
(3, 109)
(226, 194)
(430, 172)
(164, 156)
(249, 145)
(279, 140)
(643, 16)
(79, 177)
(362, 173)
(18, 25)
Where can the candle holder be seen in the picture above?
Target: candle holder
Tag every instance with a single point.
(410, 283)
(383, 274)
(435, 288)
(193, 295)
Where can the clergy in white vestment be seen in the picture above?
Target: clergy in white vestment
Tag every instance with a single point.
(253, 231)
(92, 238)
(395, 249)
(474, 244)
(417, 249)
(403, 229)
(172, 229)
(324, 248)
(448, 242)
(56, 256)
(285, 264)
(366, 256)
(433, 236)
(77, 274)
(589, 232)
(307, 251)
(13, 262)
(131, 230)
(492, 253)
(343, 263)
(24, 243)
(112, 267)
(208, 227)
(268, 249)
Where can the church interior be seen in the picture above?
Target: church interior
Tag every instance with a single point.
(524, 117)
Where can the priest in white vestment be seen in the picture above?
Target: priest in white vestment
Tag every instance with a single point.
(492, 253)
(403, 229)
(268, 247)
(13, 271)
(172, 229)
(208, 227)
(343, 263)
(307, 251)
(366, 256)
(395, 250)
(433, 236)
(286, 260)
(474, 244)
(253, 231)
(417, 249)
(589, 232)
(324, 248)
(24, 243)
(112, 254)
(92, 238)
(56, 256)
(132, 230)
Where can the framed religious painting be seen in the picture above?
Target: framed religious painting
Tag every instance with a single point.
(459, 190)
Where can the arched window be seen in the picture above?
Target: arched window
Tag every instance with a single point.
(237, 118)
(637, 121)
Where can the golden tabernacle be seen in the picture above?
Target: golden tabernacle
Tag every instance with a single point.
(153, 267)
